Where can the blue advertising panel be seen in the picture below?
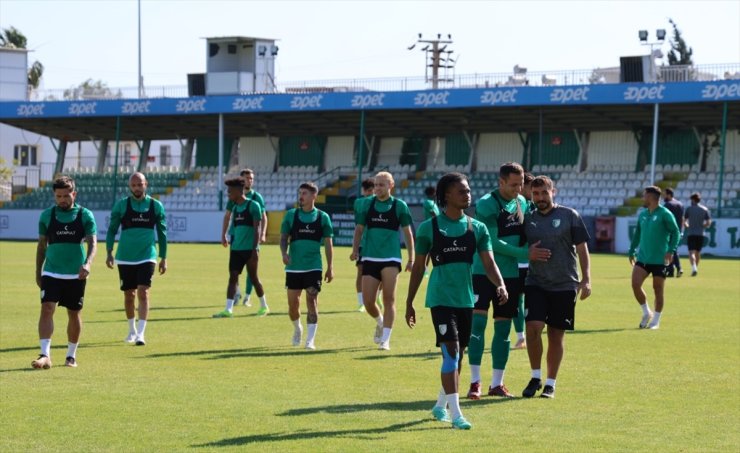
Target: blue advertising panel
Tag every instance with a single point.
(608, 94)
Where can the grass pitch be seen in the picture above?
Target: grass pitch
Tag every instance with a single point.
(203, 384)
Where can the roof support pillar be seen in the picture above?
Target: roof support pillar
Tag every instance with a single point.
(61, 154)
(361, 147)
(722, 159)
(186, 154)
(656, 114)
(143, 154)
(102, 148)
(220, 161)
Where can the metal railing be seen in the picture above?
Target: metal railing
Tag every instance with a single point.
(665, 74)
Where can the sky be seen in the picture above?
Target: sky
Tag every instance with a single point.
(320, 40)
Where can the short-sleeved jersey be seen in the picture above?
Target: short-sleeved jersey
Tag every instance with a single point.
(451, 285)
(382, 244)
(243, 217)
(65, 252)
(676, 208)
(430, 209)
(696, 214)
(560, 231)
(306, 238)
(356, 207)
(251, 195)
(656, 234)
(139, 220)
(506, 227)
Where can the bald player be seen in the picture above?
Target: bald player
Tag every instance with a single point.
(143, 225)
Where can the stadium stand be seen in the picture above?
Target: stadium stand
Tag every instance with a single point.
(605, 179)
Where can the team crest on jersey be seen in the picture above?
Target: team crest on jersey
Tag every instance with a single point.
(555, 223)
(442, 329)
(655, 217)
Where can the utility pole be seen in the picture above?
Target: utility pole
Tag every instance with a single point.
(141, 79)
(434, 50)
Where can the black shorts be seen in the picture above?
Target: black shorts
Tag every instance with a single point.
(452, 324)
(485, 295)
(238, 259)
(68, 293)
(658, 270)
(523, 271)
(695, 242)
(374, 268)
(134, 275)
(303, 280)
(554, 308)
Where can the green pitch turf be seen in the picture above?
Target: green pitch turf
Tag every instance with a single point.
(203, 384)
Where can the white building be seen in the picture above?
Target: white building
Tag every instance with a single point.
(33, 156)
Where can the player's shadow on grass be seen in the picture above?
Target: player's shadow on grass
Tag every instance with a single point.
(596, 331)
(220, 354)
(306, 434)
(192, 318)
(21, 370)
(395, 406)
(384, 355)
(60, 347)
(121, 310)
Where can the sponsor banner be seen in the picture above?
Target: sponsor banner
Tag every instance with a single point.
(721, 239)
(642, 93)
(344, 228)
(182, 226)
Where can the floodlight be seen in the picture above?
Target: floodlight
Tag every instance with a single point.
(643, 34)
(660, 33)
(261, 50)
(274, 50)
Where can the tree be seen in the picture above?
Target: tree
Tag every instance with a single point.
(6, 175)
(12, 38)
(680, 53)
(91, 90)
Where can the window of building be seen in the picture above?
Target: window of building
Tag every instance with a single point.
(165, 155)
(25, 155)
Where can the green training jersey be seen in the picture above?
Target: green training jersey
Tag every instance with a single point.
(306, 237)
(243, 217)
(451, 285)
(505, 223)
(139, 220)
(65, 252)
(381, 227)
(356, 207)
(430, 209)
(251, 195)
(656, 234)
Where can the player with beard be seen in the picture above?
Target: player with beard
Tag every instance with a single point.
(551, 286)
(143, 224)
(62, 267)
